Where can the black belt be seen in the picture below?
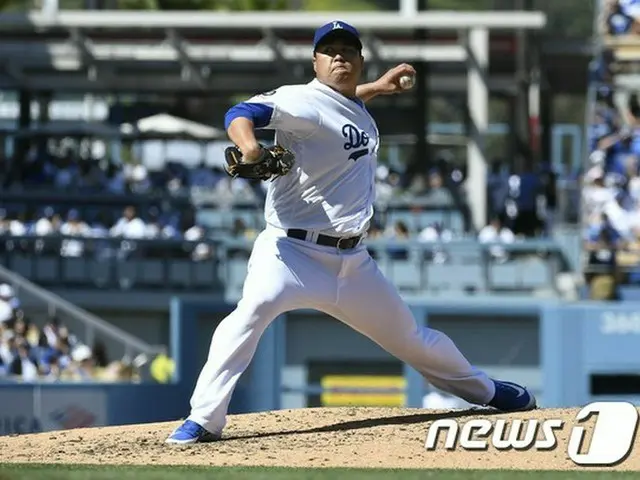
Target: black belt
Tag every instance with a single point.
(343, 243)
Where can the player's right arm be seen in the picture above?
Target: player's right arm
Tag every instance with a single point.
(286, 109)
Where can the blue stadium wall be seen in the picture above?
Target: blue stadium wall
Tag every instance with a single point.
(561, 349)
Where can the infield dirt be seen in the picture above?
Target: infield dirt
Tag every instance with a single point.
(314, 437)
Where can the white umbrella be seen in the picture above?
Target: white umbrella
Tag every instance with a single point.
(166, 124)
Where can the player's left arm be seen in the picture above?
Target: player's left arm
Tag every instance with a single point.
(387, 84)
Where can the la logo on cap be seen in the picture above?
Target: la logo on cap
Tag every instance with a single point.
(336, 25)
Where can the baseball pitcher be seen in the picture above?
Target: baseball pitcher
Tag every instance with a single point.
(319, 203)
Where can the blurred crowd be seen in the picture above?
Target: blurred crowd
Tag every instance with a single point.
(436, 236)
(611, 181)
(77, 231)
(520, 204)
(49, 351)
(65, 170)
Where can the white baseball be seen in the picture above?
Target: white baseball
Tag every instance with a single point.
(407, 81)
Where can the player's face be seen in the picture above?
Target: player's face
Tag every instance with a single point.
(338, 63)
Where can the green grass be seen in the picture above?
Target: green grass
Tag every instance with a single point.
(77, 472)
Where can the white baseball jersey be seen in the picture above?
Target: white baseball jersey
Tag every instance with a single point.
(335, 140)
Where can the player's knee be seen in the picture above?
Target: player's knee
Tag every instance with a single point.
(424, 337)
(436, 340)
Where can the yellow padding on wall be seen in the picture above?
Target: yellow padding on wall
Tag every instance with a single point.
(372, 399)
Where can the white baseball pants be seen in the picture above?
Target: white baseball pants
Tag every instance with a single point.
(287, 274)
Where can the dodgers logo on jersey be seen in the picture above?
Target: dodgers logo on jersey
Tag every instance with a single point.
(355, 140)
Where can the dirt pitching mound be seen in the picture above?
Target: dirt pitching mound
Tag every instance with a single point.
(314, 437)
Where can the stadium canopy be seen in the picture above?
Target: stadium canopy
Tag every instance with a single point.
(174, 51)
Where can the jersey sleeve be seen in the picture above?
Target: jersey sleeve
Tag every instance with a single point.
(286, 109)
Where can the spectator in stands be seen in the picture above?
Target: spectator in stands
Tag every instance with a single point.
(375, 230)
(629, 10)
(435, 235)
(74, 227)
(497, 188)
(137, 178)
(23, 364)
(62, 350)
(602, 242)
(50, 331)
(524, 190)
(616, 20)
(6, 312)
(437, 193)
(47, 224)
(67, 337)
(100, 225)
(115, 181)
(203, 176)
(596, 194)
(66, 173)
(11, 226)
(82, 366)
(33, 335)
(241, 230)
(202, 250)
(385, 190)
(20, 325)
(8, 295)
(398, 233)
(50, 368)
(493, 233)
(156, 229)
(129, 226)
(100, 354)
(8, 346)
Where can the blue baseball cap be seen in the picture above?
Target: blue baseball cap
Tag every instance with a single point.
(336, 27)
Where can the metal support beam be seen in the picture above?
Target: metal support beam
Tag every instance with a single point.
(372, 45)
(277, 46)
(477, 42)
(223, 83)
(61, 55)
(14, 71)
(87, 57)
(189, 69)
(125, 20)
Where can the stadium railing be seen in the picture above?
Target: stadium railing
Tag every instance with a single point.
(56, 305)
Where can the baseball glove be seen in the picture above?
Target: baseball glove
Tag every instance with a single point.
(274, 162)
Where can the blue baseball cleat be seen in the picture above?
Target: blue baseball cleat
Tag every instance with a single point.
(190, 432)
(511, 397)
